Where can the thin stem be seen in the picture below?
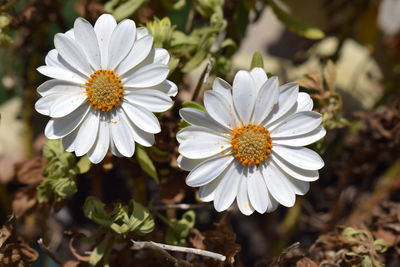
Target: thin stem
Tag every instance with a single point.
(48, 252)
(137, 245)
(203, 78)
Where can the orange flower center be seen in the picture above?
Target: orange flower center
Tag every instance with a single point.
(251, 144)
(104, 90)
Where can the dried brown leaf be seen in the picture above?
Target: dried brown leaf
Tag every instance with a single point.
(24, 200)
(30, 171)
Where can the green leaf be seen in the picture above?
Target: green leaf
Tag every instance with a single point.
(380, 245)
(179, 4)
(195, 61)
(98, 253)
(176, 235)
(142, 215)
(94, 210)
(257, 61)
(193, 104)
(145, 162)
(84, 165)
(296, 25)
(123, 10)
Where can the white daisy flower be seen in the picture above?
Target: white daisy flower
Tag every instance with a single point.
(106, 82)
(249, 146)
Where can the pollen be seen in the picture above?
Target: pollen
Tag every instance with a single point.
(251, 144)
(104, 90)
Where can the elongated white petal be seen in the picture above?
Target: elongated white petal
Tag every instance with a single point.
(152, 100)
(207, 192)
(61, 74)
(257, 190)
(278, 185)
(43, 104)
(301, 140)
(52, 60)
(55, 86)
(304, 102)
(141, 137)
(121, 133)
(147, 76)
(167, 87)
(141, 32)
(222, 87)
(141, 117)
(69, 141)
(293, 171)
(200, 118)
(208, 170)
(220, 109)
(228, 187)
(188, 164)
(66, 104)
(87, 133)
(87, 39)
(161, 55)
(259, 77)
(267, 98)
(141, 48)
(244, 95)
(68, 49)
(121, 43)
(272, 204)
(297, 124)
(301, 157)
(58, 128)
(287, 99)
(242, 198)
(299, 187)
(97, 153)
(199, 142)
(104, 28)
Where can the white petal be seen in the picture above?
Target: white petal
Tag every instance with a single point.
(69, 141)
(61, 74)
(199, 142)
(58, 128)
(121, 43)
(208, 170)
(272, 204)
(267, 98)
(141, 117)
(52, 60)
(161, 55)
(220, 109)
(299, 187)
(104, 28)
(121, 133)
(259, 76)
(152, 100)
(55, 86)
(278, 185)
(301, 157)
(287, 99)
(114, 149)
(222, 87)
(293, 171)
(244, 95)
(257, 190)
(66, 104)
(200, 118)
(188, 164)
(43, 104)
(207, 192)
(297, 124)
(141, 32)
(141, 48)
(147, 76)
(87, 133)
(99, 150)
(167, 87)
(227, 188)
(141, 137)
(87, 39)
(301, 140)
(304, 102)
(242, 198)
(72, 53)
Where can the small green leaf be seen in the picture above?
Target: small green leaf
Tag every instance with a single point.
(145, 162)
(296, 25)
(257, 61)
(193, 104)
(94, 210)
(380, 245)
(172, 64)
(179, 4)
(195, 61)
(98, 253)
(176, 235)
(84, 165)
(124, 10)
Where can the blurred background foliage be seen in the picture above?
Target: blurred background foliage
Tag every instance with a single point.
(344, 53)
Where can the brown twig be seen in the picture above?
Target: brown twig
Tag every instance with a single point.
(137, 245)
(203, 78)
(48, 252)
(8, 5)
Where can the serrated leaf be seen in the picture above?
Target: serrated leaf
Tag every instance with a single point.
(195, 61)
(257, 61)
(98, 253)
(145, 162)
(193, 104)
(84, 165)
(296, 25)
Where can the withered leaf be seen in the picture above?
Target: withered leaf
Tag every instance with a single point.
(24, 200)
(30, 171)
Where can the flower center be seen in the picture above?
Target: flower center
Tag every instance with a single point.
(251, 144)
(104, 90)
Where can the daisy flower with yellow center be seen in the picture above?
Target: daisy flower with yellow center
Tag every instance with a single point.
(107, 81)
(249, 146)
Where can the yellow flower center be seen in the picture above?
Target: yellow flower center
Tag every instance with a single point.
(104, 90)
(251, 144)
